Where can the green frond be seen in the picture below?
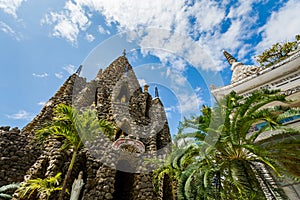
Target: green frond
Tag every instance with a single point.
(289, 113)
(8, 187)
(39, 186)
(5, 188)
(5, 196)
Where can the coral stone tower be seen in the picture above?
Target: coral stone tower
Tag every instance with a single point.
(142, 133)
(112, 166)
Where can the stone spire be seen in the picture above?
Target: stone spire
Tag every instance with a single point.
(99, 74)
(79, 70)
(156, 92)
(239, 70)
(229, 57)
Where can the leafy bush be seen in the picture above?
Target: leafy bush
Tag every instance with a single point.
(277, 52)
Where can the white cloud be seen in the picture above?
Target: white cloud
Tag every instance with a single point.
(43, 75)
(282, 26)
(188, 99)
(22, 114)
(102, 30)
(9, 30)
(189, 103)
(175, 31)
(10, 6)
(89, 37)
(170, 110)
(41, 103)
(198, 89)
(142, 82)
(58, 75)
(70, 69)
(69, 22)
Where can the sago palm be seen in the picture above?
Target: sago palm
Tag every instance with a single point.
(75, 127)
(233, 163)
(4, 188)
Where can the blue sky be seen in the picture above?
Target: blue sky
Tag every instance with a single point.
(174, 45)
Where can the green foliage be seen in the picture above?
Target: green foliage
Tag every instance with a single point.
(75, 127)
(230, 162)
(277, 52)
(40, 187)
(166, 168)
(5, 188)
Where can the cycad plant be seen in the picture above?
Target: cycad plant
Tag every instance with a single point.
(167, 172)
(42, 187)
(74, 127)
(234, 163)
(4, 188)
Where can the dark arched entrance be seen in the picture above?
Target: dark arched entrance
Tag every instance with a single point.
(123, 181)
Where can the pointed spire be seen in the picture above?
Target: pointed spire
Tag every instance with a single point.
(229, 57)
(79, 70)
(99, 74)
(156, 92)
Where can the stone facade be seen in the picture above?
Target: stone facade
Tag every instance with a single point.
(113, 167)
(17, 155)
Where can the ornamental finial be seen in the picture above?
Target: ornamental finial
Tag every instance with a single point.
(229, 57)
(79, 70)
(156, 92)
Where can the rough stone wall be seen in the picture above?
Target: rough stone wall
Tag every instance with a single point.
(142, 188)
(86, 97)
(106, 85)
(16, 155)
(121, 100)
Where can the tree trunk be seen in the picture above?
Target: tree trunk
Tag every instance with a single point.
(68, 175)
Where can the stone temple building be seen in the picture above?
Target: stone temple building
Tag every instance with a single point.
(113, 167)
(283, 76)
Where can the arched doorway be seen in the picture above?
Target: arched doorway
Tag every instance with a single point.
(123, 181)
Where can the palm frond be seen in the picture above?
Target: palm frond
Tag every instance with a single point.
(8, 187)
(5, 188)
(39, 186)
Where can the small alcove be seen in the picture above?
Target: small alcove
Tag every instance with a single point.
(124, 94)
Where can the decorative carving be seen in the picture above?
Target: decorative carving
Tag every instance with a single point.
(129, 145)
(242, 71)
(292, 91)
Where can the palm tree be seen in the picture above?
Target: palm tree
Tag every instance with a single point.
(5, 188)
(233, 163)
(75, 127)
(167, 172)
(43, 187)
